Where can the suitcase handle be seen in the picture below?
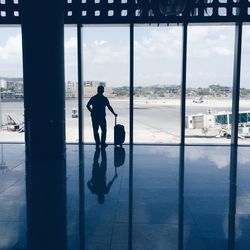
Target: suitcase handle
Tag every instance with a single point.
(115, 120)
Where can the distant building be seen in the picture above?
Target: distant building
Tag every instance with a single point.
(12, 88)
(18, 87)
(191, 92)
(91, 86)
(11, 83)
(71, 89)
(3, 83)
(94, 84)
(218, 90)
(175, 90)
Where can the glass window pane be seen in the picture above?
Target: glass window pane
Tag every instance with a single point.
(106, 63)
(158, 52)
(244, 107)
(209, 84)
(11, 80)
(71, 84)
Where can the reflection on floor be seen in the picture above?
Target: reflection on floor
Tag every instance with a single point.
(144, 197)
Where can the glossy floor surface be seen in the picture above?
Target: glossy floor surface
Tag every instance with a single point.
(140, 197)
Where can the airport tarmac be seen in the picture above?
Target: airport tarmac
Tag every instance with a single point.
(155, 120)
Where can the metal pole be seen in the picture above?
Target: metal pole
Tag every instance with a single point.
(80, 81)
(183, 82)
(131, 102)
(236, 82)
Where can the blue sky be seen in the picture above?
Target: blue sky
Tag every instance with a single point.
(157, 55)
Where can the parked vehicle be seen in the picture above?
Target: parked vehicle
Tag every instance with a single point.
(74, 113)
(198, 99)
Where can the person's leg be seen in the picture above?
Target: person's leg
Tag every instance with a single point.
(95, 126)
(103, 125)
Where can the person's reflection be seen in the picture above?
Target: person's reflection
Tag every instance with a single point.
(119, 156)
(97, 184)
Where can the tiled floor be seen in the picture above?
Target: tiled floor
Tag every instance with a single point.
(153, 200)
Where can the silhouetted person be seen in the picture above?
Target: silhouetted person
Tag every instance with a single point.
(97, 184)
(97, 107)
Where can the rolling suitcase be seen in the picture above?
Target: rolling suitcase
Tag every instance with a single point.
(119, 134)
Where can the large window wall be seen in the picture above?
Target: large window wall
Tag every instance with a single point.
(156, 54)
(153, 61)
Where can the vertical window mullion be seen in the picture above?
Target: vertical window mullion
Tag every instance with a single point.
(131, 141)
(236, 82)
(131, 92)
(80, 94)
(183, 82)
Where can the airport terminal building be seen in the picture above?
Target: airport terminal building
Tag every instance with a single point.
(181, 178)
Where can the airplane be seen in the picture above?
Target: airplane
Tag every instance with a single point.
(198, 99)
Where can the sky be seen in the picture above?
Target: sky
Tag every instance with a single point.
(158, 53)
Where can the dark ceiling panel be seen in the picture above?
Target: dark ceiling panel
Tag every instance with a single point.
(128, 11)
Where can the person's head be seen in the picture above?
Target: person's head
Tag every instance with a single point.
(100, 90)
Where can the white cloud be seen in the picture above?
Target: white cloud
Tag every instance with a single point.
(243, 157)
(209, 41)
(158, 54)
(159, 78)
(246, 39)
(12, 48)
(216, 156)
(222, 51)
(210, 55)
(107, 54)
(11, 57)
(100, 43)
(70, 48)
(158, 43)
(99, 56)
(71, 44)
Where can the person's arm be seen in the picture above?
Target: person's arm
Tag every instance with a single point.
(110, 183)
(111, 109)
(89, 105)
